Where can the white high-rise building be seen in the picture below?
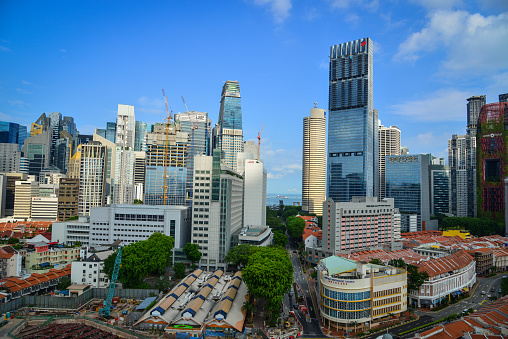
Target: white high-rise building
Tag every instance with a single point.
(44, 208)
(389, 144)
(314, 162)
(24, 192)
(217, 208)
(462, 162)
(123, 186)
(125, 127)
(254, 193)
(10, 157)
(92, 177)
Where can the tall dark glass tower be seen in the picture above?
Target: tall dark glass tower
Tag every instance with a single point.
(353, 140)
(230, 134)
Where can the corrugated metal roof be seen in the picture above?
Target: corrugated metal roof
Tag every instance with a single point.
(336, 265)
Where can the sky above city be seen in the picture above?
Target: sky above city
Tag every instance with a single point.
(84, 58)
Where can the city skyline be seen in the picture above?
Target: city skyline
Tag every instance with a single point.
(96, 57)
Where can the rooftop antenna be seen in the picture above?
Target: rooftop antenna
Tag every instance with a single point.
(315, 104)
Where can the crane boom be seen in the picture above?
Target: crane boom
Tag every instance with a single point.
(259, 142)
(186, 109)
(106, 309)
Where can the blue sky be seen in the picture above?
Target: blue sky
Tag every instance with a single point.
(83, 58)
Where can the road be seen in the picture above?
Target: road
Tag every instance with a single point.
(311, 327)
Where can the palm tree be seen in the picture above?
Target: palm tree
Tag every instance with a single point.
(354, 323)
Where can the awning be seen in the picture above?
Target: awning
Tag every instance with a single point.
(466, 289)
(425, 302)
(44, 264)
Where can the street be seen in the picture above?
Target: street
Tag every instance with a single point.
(311, 327)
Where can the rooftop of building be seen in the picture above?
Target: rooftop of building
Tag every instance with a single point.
(408, 255)
(15, 284)
(449, 263)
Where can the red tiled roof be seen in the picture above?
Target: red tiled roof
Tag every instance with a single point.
(449, 263)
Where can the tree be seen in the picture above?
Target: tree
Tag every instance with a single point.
(269, 274)
(415, 278)
(179, 269)
(138, 202)
(295, 227)
(397, 263)
(248, 307)
(376, 261)
(77, 244)
(64, 283)
(279, 239)
(163, 283)
(239, 255)
(13, 241)
(192, 252)
(148, 257)
(476, 226)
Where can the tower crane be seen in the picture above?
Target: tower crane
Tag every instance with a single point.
(105, 311)
(259, 142)
(193, 127)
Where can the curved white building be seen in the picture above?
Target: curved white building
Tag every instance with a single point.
(354, 294)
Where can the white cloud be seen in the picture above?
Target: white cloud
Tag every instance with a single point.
(442, 105)
(25, 82)
(24, 91)
(438, 4)
(151, 106)
(311, 14)
(429, 142)
(352, 18)
(278, 8)
(63, 50)
(18, 103)
(474, 44)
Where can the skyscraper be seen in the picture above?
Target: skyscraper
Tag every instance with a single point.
(92, 178)
(440, 202)
(389, 144)
(125, 126)
(474, 106)
(492, 160)
(407, 182)
(314, 161)
(140, 136)
(230, 134)
(352, 123)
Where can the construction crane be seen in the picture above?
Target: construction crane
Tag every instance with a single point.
(193, 127)
(166, 145)
(259, 142)
(106, 309)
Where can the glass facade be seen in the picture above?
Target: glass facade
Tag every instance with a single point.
(36, 154)
(352, 162)
(440, 185)
(140, 136)
(175, 182)
(407, 183)
(230, 134)
(12, 133)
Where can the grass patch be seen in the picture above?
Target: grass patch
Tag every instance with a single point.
(452, 316)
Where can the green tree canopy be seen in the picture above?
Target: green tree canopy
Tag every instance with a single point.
(280, 239)
(476, 226)
(415, 278)
(141, 259)
(269, 274)
(138, 202)
(295, 227)
(13, 241)
(77, 244)
(192, 252)
(239, 255)
(179, 269)
(397, 263)
(64, 283)
(376, 261)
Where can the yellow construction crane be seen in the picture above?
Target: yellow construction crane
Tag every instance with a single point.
(166, 146)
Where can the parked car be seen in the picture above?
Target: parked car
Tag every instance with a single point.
(483, 293)
(492, 289)
(500, 291)
(489, 295)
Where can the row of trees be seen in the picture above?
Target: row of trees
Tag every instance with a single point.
(267, 272)
(476, 226)
(140, 259)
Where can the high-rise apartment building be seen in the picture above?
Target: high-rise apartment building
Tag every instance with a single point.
(125, 127)
(474, 106)
(362, 223)
(314, 162)
(139, 175)
(92, 177)
(462, 162)
(217, 208)
(110, 165)
(389, 144)
(352, 168)
(492, 160)
(68, 195)
(10, 191)
(407, 182)
(10, 157)
(123, 185)
(230, 133)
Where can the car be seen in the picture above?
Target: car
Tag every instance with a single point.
(465, 310)
(500, 291)
(483, 293)
(295, 307)
(488, 295)
(290, 293)
(492, 289)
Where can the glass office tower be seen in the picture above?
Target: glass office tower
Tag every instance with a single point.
(175, 182)
(352, 123)
(230, 134)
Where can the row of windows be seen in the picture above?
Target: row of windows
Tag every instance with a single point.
(386, 310)
(202, 184)
(200, 209)
(345, 154)
(346, 296)
(343, 305)
(139, 217)
(201, 222)
(200, 228)
(202, 172)
(201, 202)
(200, 235)
(346, 315)
(386, 292)
(201, 191)
(387, 301)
